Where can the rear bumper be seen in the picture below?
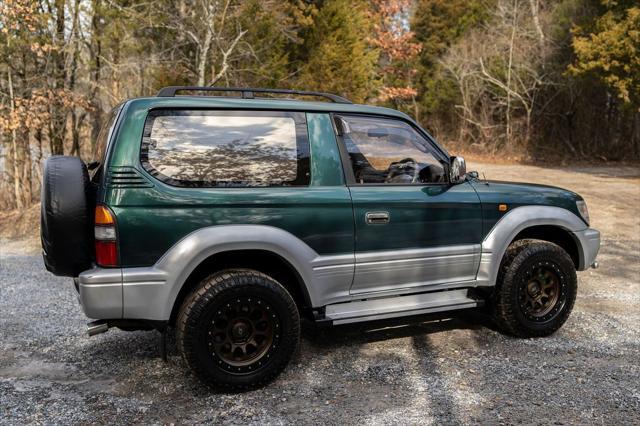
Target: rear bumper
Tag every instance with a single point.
(100, 293)
(132, 293)
(588, 247)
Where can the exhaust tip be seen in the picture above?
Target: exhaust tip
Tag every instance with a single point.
(595, 265)
(97, 327)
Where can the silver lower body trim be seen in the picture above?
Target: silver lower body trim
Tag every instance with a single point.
(134, 293)
(588, 247)
(100, 293)
(393, 270)
(393, 307)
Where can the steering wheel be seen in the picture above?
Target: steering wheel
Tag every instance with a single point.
(403, 170)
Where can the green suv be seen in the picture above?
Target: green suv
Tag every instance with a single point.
(229, 217)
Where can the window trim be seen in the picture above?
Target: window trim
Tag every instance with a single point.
(303, 148)
(348, 167)
(110, 145)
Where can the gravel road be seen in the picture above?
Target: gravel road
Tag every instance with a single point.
(452, 370)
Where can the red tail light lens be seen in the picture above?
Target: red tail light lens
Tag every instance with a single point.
(106, 238)
(106, 253)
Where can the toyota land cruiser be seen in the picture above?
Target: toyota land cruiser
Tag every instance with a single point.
(228, 217)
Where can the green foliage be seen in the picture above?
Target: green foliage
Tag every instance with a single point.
(538, 76)
(612, 51)
(338, 58)
(437, 25)
(272, 35)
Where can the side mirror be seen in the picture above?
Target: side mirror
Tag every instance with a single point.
(457, 170)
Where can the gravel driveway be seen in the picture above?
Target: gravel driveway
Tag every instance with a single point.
(449, 370)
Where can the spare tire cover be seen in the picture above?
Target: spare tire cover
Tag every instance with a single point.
(65, 216)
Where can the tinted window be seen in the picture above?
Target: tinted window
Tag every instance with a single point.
(102, 142)
(105, 133)
(388, 151)
(226, 148)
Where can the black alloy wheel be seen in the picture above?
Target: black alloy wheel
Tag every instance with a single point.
(536, 289)
(238, 329)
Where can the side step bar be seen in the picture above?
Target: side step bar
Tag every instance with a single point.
(400, 306)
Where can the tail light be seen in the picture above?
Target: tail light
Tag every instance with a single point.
(106, 237)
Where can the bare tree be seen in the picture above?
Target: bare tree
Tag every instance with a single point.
(211, 26)
(535, 14)
(499, 71)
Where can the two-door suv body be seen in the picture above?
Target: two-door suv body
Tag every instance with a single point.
(230, 217)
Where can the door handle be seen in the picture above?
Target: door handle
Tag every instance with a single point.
(376, 217)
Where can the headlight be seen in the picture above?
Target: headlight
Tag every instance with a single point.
(582, 208)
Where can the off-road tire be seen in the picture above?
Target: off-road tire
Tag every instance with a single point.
(521, 262)
(232, 289)
(66, 216)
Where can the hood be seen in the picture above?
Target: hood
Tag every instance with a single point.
(516, 194)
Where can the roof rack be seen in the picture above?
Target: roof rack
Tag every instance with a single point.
(248, 93)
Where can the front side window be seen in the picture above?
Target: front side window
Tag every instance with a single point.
(388, 151)
(206, 148)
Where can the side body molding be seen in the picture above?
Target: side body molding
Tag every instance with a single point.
(151, 292)
(496, 242)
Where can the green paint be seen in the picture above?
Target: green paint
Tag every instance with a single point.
(420, 216)
(515, 195)
(326, 167)
(153, 218)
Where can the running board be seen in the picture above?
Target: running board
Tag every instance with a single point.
(399, 306)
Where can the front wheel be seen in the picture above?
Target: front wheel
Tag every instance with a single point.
(536, 289)
(238, 329)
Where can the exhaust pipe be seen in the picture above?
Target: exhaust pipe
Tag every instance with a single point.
(97, 327)
(595, 265)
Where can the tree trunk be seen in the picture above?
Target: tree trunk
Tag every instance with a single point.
(14, 146)
(203, 54)
(39, 157)
(535, 13)
(58, 116)
(76, 121)
(96, 67)
(511, 45)
(27, 179)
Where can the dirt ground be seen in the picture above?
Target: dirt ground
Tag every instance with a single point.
(452, 370)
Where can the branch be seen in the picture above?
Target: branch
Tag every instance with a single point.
(500, 84)
(225, 55)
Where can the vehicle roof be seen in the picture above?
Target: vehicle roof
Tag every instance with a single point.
(263, 103)
(258, 103)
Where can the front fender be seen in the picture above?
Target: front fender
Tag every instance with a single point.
(511, 224)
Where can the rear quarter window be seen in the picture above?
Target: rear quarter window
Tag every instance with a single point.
(205, 148)
(105, 135)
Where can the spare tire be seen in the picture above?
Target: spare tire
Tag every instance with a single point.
(65, 216)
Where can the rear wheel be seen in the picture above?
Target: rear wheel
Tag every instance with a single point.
(536, 289)
(238, 329)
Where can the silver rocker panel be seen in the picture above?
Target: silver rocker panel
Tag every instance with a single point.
(399, 306)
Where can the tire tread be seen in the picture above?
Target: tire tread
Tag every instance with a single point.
(195, 304)
(504, 311)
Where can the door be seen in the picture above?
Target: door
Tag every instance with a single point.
(414, 230)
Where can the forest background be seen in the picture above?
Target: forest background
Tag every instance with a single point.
(541, 81)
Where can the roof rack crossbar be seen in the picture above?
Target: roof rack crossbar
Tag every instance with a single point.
(249, 93)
